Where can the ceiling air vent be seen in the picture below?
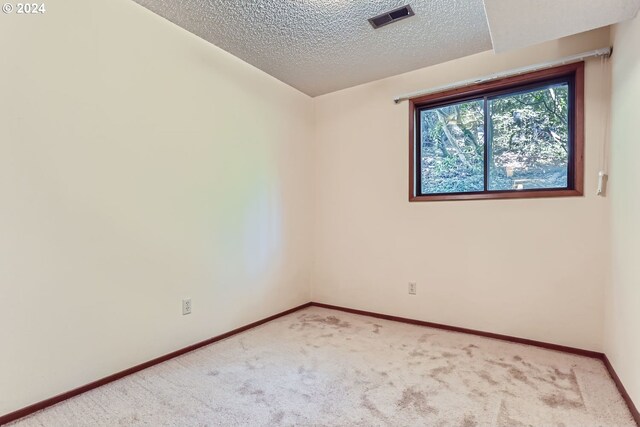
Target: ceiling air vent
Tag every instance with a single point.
(391, 16)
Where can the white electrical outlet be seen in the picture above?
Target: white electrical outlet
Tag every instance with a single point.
(412, 288)
(186, 306)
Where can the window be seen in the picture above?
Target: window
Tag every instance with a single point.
(516, 137)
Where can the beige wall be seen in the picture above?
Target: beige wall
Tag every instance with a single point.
(138, 165)
(622, 332)
(529, 268)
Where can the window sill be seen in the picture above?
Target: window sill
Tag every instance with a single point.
(524, 194)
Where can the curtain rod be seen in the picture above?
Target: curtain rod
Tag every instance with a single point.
(606, 51)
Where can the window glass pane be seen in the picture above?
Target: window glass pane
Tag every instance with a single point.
(452, 148)
(529, 139)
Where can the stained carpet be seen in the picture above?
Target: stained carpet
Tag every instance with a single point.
(320, 367)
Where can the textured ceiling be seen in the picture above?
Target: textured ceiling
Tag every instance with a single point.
(519, 23)
(319, 46)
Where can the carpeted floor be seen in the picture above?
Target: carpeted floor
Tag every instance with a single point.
(319, 367)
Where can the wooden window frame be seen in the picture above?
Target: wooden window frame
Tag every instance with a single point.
(575, 177)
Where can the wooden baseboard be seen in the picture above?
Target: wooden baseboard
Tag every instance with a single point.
(20, 413)
(549, 346)
(72, 393)
(556, 347)
(622, 390)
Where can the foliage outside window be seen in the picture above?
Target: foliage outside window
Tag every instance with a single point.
(517, 137)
